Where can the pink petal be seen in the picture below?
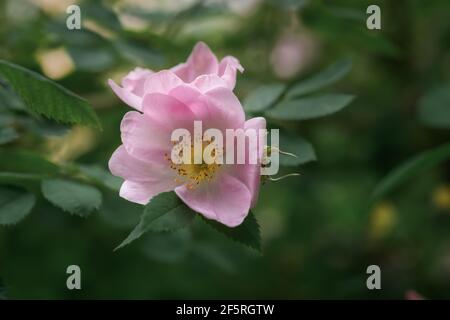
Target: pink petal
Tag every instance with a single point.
(145, 139)
(168, 112)
(257, 124)
(201, 61)
(224, 100)
(227, 70)
(182, 71)
(217, 108)
(250, 174)
(123, 165)
(185, 93)
(142, 192)
(208, 82)
(413, 295)
(162, 82)
(126, 96)
(197, 103)
(226, 200)
(134, 81)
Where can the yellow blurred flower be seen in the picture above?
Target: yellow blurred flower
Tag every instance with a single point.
(382, 220)
(72, 145)
(441, 197)
(56, 63)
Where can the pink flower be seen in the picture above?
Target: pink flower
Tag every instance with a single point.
(221, 192)
(202, 70)
(413, 295)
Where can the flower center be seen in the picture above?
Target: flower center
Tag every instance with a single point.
(193, 174)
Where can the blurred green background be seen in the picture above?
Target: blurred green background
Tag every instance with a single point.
(320, 230)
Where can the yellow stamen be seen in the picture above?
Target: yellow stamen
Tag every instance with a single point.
(193, 174)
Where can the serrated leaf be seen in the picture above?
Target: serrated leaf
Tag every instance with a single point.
(73, 197)
(165, 212)
(327, 77)
(263, 97)
(247, 233)
(48, 98)
(298, 146)
(310, 107)
(410, 168)
(15, 204)
(434, 108)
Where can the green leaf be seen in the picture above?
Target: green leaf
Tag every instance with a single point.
(6, 119)
(246, 233)
(310, 107)
(92, 58)
(24, 168)
(165, 212)
(8, 134)
(296, 145)
(101, 176)
(9, 99)
(76, 198)
(21, 179)
(15, 204)
(118, 211)
(82, 37)
(338, 24)
(327, 77)
(103, 15)
(410, 168)
(263, 97)
(434, 108)
(137, 53)
(48, 98)
(45, 127)
(22, 161)
(154, 16)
